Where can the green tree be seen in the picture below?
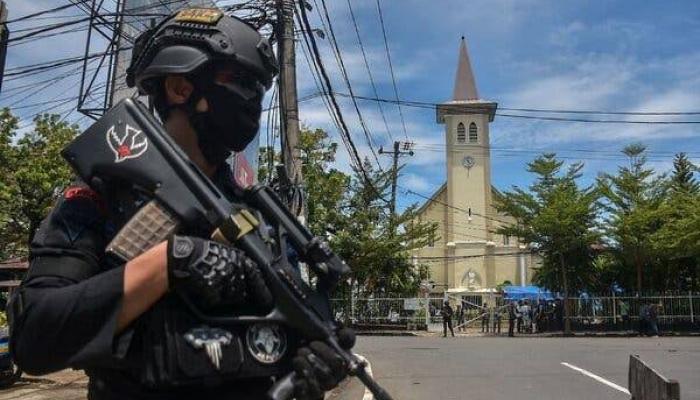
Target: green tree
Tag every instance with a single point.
(557, 218)
(324, 186)
(354, 215)
(380, 261)
(683, 179)
(678, 238)
(632, 200)
(36, 173)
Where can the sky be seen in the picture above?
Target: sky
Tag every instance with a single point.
(606, 55)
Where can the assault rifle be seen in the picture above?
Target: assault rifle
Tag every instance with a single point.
(129, 145)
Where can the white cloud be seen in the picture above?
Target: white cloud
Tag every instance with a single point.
(416, 182)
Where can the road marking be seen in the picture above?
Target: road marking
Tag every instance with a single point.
(596, 377)
(368, 395)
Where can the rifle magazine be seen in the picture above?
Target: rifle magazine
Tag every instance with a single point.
(151, 225)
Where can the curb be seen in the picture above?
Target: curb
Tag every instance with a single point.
(531, 335)
(387, 333)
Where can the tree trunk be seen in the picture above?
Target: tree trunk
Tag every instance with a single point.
(565, 285)
(638, 264)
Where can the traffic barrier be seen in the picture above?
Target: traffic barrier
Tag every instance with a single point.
(647, 384)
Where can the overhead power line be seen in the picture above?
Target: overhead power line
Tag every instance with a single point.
(592, 112)
(391, 68)
(346, 79)
(441, 147)
(468, 212)
(345, 132)
(36, 14)
(428, 259)
(369, 70)
(459, 107)
(48, 29)
(50, 65)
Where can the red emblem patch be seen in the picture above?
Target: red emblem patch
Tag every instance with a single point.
(124, 151)
(79, 192)
(126, 144)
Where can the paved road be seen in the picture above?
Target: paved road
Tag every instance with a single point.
(478, 368)
(521, 368)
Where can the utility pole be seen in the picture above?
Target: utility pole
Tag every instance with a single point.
(4, 36)
(400, 148)
(289, 106)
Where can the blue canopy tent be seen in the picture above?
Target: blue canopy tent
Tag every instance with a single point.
(526, 292)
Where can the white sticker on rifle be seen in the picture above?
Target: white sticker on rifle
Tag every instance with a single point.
(130, 144)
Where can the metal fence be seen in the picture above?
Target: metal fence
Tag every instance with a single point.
(382, 312)
(676, 312)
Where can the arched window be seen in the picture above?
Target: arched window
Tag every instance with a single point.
(473, 136)
(461, 133)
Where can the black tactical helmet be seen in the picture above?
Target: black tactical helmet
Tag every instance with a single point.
(193, 38)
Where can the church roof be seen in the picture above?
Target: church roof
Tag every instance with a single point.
(465, 85)
(434, 198)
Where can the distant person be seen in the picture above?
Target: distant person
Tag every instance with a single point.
(540, 315)
(559, 314)
(624, 314)
(485, 320)
(512, 316)
(447, 313)
(519, 316)
(643, 319)
(526, 313)
(460, 318)
(496, 321)
(653, 320)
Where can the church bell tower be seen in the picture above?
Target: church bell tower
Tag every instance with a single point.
(466, 118)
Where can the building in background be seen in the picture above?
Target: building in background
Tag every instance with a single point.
(466, 255)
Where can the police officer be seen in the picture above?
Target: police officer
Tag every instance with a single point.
(206, 74)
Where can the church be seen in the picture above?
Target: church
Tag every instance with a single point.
(466, 255)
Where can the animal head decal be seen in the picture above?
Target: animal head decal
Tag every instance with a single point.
(132, 143)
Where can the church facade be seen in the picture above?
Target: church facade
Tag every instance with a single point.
(466, 255)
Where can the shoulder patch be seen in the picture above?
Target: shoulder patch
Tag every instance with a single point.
(85, 193)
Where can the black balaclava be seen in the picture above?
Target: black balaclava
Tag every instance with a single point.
(232, 119)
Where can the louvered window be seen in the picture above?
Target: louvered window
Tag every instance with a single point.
(461, 133)
(473, 136)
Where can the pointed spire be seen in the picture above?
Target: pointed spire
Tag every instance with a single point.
(465, 87)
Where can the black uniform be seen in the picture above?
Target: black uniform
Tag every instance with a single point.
(65, 312)
(447, 319)
(512, 315)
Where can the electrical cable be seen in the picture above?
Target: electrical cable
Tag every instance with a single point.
(36, 14)
(346, 78)
(391, 67)
(47, 29)
(369, 71)
(352, 150)
(460, 107)
(468, 212)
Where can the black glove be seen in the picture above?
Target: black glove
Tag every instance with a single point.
(319, 368)
(213, 274)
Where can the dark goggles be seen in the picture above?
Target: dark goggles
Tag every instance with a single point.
(243, 84)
